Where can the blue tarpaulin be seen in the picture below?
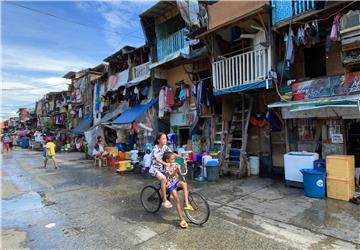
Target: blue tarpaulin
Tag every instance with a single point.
(133, 113)
(244, 87)
(84, 124)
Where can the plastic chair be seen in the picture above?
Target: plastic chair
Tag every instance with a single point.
(99, 162)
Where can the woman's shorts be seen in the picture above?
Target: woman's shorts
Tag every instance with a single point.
(156, 173)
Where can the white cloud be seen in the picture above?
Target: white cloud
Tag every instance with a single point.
(121, 20)
(29, 58)
(22, 91)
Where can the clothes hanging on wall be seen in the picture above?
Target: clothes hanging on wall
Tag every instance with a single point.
(290, 48)
(335, 28)
(203, 91)
(162, 103)
(169, 97)
(166, 100)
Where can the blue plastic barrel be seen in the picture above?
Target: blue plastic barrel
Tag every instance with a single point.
(212, 170)
(314, 182)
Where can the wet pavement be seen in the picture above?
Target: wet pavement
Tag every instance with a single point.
(81, 206)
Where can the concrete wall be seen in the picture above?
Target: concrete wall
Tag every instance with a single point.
(225, 11)
(177, 74)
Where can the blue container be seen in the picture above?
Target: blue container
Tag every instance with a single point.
(234, 154)
(25, 143)
(120, 146)
(212, 170)
(314, 182)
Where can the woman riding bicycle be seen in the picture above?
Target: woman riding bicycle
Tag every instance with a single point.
(157, 168)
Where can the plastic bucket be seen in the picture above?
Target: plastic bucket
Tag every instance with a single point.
(134, 155)
(212, 170)
(254, 165)
(314, 182)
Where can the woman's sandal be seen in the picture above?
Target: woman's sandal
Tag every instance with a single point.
(189, 207)
(183, 224)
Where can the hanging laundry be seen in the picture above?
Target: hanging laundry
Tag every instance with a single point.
(290, 49)
(187, 93)
(162, 103)
(297, 38)
(169, 97)
(136, 93)
(80, 113)
(182, 95)
(307, 32)
(335, 28)
(314, 32)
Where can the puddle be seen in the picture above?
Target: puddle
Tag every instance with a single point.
(22, 203)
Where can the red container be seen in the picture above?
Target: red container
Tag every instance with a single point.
(299, 97)
(191, 156)
(112, 162)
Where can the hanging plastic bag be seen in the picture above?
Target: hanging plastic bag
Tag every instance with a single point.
(335, 29)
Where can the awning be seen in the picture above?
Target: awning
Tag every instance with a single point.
(137, 80)
(347, 107)
(118, 80)
(111, 115)
(133, 113)
(244, 87)
(84, 124)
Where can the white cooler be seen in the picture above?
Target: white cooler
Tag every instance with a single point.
(293, 162)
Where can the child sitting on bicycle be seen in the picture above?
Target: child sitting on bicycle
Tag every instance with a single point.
(157, 167)
(173, 182)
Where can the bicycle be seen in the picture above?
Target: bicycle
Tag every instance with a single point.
(151, 199)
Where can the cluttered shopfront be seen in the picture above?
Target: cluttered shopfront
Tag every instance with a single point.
(319, 106)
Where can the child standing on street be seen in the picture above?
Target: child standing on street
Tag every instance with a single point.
(173, 182)
(50, 152)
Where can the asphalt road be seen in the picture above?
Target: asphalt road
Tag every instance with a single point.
(80, 206)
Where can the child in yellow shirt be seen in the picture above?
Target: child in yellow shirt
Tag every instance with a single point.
(50, 152)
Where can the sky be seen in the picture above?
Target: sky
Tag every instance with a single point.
(37, 49)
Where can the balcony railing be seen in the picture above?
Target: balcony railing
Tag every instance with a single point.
(284, 9)
(171, 44)
(142, 70)
(300, 6)
(246, 68)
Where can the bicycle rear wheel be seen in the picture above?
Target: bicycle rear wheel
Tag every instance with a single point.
(150, 199)
(201, 212)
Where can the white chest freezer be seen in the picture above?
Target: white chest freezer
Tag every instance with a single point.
(293, 162)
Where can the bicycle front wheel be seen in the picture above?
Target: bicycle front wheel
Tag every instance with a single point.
(201, 212)
(150, 199)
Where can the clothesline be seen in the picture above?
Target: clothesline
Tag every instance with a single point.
(324, 19)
